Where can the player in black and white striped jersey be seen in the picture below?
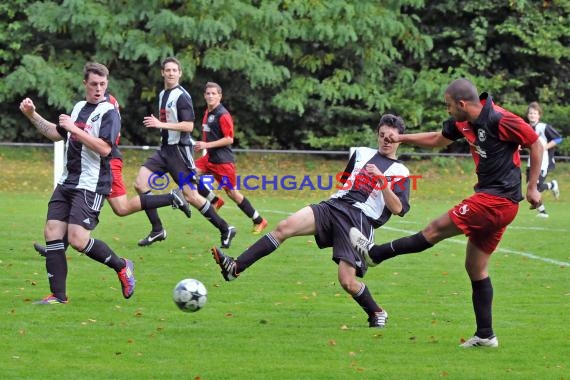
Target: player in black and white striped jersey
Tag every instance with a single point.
(550, 137)
(375, 186)
(89, 134)
(175, 157)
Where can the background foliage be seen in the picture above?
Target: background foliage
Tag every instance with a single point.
(296, 74)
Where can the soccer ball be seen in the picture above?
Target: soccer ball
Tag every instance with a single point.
(190, 295)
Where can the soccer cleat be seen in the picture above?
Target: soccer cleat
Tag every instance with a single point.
(127, 278)
(179, 202)
(362, 245)
(378, 319)
(257, 228)
(542, 214)
(475, 341)
(555, 189)
(219, 203)
(50, 300)
(228, 236)
(152, 237)
(40, 249)
(226, 263)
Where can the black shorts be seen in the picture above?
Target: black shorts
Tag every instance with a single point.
(75, 206)
(333, 220)
(176, 160)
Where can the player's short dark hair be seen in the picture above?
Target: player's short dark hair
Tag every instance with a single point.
(535, 106)
(171, 59)
(95, 68)
(392, 121)
(462, 89)
(213, 85)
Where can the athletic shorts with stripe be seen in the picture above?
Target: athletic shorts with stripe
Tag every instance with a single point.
(75, 206)
(333, 220)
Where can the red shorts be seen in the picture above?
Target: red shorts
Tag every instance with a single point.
(118, 186)
(224, 174)
(484, 218)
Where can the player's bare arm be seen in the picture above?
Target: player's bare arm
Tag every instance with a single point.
(224, 141)
(94, 143)
(45, 127)
(182, 126)
(425, 139)
(532, 194)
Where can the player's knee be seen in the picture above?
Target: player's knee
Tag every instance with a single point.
(349, 284)
(283, 230)
(78, 242)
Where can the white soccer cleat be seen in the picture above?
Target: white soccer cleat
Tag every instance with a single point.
(475, 341)
(555, 189)
(362, 245)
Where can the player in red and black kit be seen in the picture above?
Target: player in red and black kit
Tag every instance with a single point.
(494, 136)
(217, 139)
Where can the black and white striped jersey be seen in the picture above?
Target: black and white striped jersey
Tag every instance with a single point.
(175, 105)
(83, 167)
(362, 191)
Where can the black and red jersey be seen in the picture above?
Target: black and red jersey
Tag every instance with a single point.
(494, 140)
(217, 124)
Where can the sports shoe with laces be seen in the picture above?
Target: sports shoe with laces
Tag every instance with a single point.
(40, 249)
(219, 203)
(50, 300)
(362, 245)
(542, 214)
(226, 263)
(152, 237)
(257, 228)
(127, 278)
(555, 189)
(475, 341)
(179, 202)
(227, 236)
(378, 319)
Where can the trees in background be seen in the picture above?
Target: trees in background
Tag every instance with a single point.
(296, 74)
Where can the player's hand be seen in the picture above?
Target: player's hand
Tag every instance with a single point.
(66, 122)
(391, 137)
(533, 197)
(151, 122)
(27, 107)
(373, 170)
(200, 145)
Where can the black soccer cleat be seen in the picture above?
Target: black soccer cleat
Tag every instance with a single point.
(226, 263)
(179, 202)
(227, 236)
(40, 249)
(152, 237)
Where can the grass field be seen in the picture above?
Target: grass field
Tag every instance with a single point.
(286, 317)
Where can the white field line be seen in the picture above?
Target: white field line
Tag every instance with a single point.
(463, 242)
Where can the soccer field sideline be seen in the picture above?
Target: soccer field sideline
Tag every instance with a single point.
(529, 255)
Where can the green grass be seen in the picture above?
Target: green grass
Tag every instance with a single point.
(286, 317)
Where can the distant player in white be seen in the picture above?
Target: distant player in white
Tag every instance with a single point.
(373, 187)
(549, 138)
